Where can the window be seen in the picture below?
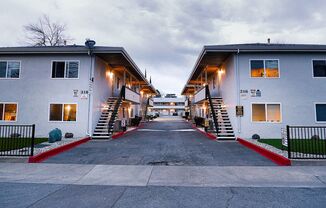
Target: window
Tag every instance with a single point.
(63, 112)
(319, 68)
(8, 111)
(264, 68)
(320, 112)
(9, 69)
(266, 112)
(65, 69)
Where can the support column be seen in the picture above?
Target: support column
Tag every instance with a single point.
(124, 76)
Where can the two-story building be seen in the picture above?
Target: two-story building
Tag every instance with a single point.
(169, 106)
(258, 88)
(84, 90)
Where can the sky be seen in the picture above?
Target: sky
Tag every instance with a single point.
(165, 37)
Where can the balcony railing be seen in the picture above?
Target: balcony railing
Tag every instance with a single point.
(132, 96)
(200, 95)
(150, 102)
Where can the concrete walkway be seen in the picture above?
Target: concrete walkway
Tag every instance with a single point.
(165, 141)
(189, 176)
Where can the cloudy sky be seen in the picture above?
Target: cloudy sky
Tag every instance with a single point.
(166, 36)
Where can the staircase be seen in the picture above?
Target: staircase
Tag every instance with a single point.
(225, 130)
(104, 127)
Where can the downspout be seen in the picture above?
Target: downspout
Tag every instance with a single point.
(90, 91)
(238, 89)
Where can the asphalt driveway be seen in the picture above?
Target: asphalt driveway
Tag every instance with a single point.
(165, 141)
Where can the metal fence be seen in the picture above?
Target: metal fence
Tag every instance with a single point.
(17, 140)
(306, 142)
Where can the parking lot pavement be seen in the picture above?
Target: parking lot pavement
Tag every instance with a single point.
(165, 141)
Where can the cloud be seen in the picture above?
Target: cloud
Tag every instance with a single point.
(166, 36)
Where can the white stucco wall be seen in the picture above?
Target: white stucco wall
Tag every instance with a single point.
(296, 90)
(102, 89)
(228, 90)
(35, 90)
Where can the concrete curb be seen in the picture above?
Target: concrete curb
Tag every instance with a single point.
(50, 153)
(276, 158)
(120, 134)
(208, 135)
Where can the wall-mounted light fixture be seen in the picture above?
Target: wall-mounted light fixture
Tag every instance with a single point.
(109, 74)
(220, 72)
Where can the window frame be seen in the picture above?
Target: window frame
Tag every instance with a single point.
(312, 68)
(62, 113)
(20, 67)
(267, 103)
(315, 109)
(66, 63)
(265, 77)
(3, 111)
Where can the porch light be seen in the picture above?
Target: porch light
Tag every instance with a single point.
(109, 74)
(141, 93)
(220, 72)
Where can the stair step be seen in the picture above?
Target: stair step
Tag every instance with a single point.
(225, 138)
(100, 134)
(226, 134)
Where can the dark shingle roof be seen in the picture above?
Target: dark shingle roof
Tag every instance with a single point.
(266, 47)
(56, 49)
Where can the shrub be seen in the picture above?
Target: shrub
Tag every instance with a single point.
(315, 137)
(199, 121)
(255, 136)
(55, 135)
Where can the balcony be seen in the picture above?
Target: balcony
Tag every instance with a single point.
(200, 95)
(131, 96)
(150, 102)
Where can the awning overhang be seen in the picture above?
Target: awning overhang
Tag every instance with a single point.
(207, 58)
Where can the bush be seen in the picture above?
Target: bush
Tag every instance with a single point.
(199, 121)
(315, 137)
(55, 135)
(135, 121)
(255, 136)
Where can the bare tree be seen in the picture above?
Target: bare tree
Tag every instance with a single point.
(46, 33)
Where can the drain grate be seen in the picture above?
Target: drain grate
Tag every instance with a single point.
(165, 163)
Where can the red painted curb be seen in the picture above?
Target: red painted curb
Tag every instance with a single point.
(276, 158)
(52, 152)
(120, 134)
(208, 135)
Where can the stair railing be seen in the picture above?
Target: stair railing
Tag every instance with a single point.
(208, 96)
(115, 110)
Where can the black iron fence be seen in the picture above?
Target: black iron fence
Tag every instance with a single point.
(306, 142)
(17, 140)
